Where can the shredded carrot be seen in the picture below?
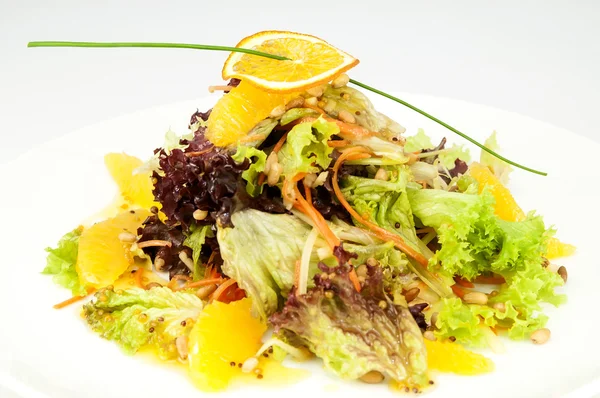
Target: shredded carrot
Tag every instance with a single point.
(464, 283)
(139, 272)
(173, 282)
(221, 289)
(458, 291)
(490, 280)
(354, 279)
(280, 143)
(307, 208)
(194, 154)
(154, 242)
(337, 143)
(203, 282)
(71, 300)
(380, 232)
(261, 178)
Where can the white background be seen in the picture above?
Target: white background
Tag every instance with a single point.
(538, 58)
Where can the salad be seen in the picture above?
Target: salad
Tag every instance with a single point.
(296, 221)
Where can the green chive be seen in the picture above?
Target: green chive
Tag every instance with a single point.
(277, 57)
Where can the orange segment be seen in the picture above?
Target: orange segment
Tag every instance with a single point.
(454, 358)
(102, 255)
(224, 333)
(506, 206)
(312, 61)
(136, 189)
(237, 112)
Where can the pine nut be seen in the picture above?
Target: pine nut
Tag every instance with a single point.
(371, 261)
(205, 291)
(412, 294)
(152, 285)
(249, 365)
(562, 271)
(475, 298)
(311, 101)
(181, 343)
(340, 81)
(429, 335)
(320, 179)
(381, 174)
(127, 237)
(295, 103)
(274, 174)
(278, 111)
(362, 270)
(330, 106)
(310, 179)
(540, 336)
(159, 263)
(346, 116)
(271, 160)
(372, 377)
(499, 306)
(316, 91)
(199, 214)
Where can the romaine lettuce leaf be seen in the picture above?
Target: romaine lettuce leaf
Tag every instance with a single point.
(135, 318)
(356, 103)
(260, 253)
(61, 262)
(257, 159)
(355, 333)
(295, 114)
(306, 144)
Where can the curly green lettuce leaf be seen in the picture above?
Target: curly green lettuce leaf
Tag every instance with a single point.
(261, 252)
(499, 167)
(474, 241)
(61, 261)
(464, 322)
(195, 240)
(136, 318)
(354, 333)
(356, 103)
(258, 160)
(306, 144)
(418, 142)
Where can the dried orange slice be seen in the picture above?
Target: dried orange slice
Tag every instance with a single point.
(312, 61)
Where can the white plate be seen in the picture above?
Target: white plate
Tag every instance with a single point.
(48, 191)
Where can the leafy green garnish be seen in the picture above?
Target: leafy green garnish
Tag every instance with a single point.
(306, 144)
(135, 318)
(258, 160)
(61, 262)
(418, 142)
(194, 240)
